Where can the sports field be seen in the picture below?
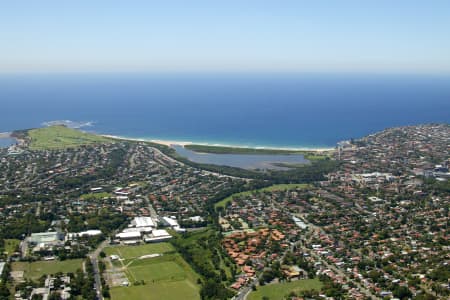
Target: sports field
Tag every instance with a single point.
(36, 269)
(131, 252)
(167, 290)
(165, 277)
(279, 291)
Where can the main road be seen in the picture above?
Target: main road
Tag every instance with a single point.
(97, 276)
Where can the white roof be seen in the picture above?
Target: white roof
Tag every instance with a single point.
(160, 233)
(138, 229)
(90, 232)
(133, 234)
(170, 221)
(157, 239)
(179, 229)
(196, 219)
(143, 222)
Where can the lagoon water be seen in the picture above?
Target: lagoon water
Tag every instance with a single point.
(245, 161)
(277, 110)
(6, 142)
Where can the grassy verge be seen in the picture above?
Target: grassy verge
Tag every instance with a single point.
(279, 291)
(95, 196)
(61, 137)
(11, 245)
(276, 187)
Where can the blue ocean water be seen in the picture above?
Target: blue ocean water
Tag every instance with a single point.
(288, 110)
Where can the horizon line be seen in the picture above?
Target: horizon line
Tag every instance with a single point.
(219, 72)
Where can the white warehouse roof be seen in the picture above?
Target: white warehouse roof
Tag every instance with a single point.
(129, 235)
(170, 221)
(160, 233)
(143, 222)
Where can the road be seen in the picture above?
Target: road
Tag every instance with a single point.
(313, 229)
(243, 293)
(153, 213)
(97, 276)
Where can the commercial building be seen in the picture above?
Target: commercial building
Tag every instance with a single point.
(158, 235)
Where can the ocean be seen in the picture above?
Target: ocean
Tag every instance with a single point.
(272, 110)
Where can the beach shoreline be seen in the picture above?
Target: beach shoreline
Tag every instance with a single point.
(170, 143)
(5, 135)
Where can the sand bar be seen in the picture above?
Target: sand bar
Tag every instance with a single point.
(5, 135)
(184, 143)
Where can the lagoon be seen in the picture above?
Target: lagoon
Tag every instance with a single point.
(244, 161)
(6, 142)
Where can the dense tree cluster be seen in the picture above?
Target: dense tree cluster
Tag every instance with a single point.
(204, 253)
(83, 284)
(4, 279)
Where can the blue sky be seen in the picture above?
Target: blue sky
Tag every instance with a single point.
(241, 35)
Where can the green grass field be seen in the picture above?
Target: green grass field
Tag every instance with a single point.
(60, 137)
(95, 196)
(280, 290)
(165, 270)
(36, 269)
(11, 245)
(165, 277)
(167, 290)
(276, 187)
(131, 252)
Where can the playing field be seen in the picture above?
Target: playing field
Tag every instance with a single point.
(280, 290)
(36, 269)
(131, 252)
(168, 270)
(165, 277)
(167, 290)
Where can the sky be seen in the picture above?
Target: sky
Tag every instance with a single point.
(233, 35)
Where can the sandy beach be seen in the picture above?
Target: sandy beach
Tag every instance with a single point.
(184, 143)
(5, 135)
